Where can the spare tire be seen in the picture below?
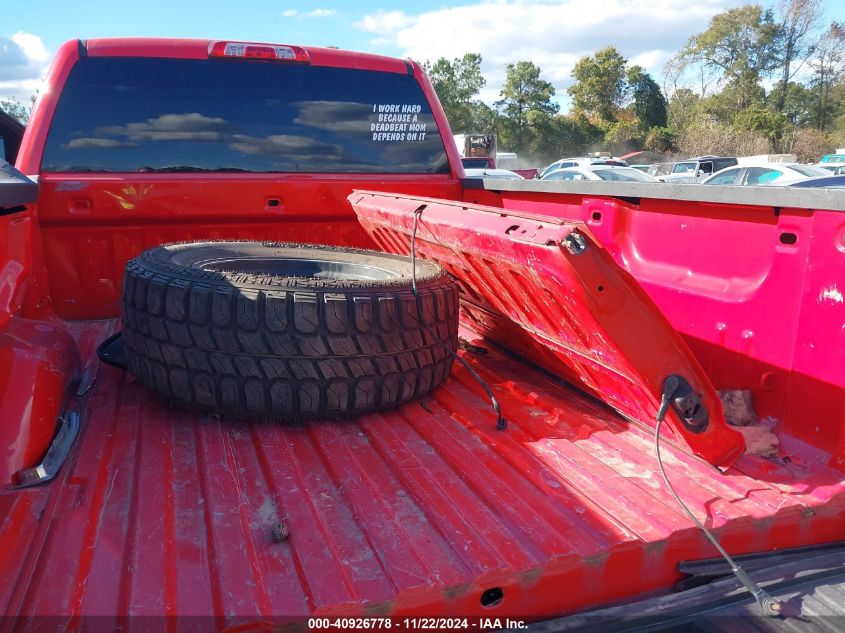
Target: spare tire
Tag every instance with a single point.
(269, 330)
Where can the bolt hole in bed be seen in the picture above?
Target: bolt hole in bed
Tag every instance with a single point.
(492, 597)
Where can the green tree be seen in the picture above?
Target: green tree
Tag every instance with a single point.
(684, 109)
(742, 44)
(524, 94)
(621, 137)
(809, 145)
(732, 99)
(797, 103)
(600, 86)
(757, 118)
(553, 136)
(661, 140)
(796, 41)
(649, 102)
(15, 109)
(483, 118)
(457, 84)
(828, 64)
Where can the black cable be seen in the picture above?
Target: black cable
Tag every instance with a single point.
(417, 214)
(769, 605)
(501, 422)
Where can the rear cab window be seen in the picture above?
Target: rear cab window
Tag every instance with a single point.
(136, 114)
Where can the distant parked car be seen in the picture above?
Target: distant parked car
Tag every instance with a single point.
(834, 158)
(498, 174)
(695, 169)
(764, 174)
(820, 181)
(600, 172)
(582, 161)
(833, 169)
(658, 170)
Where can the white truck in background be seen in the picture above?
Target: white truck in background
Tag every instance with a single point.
(507, 160)
(766, 158)
(477, 151)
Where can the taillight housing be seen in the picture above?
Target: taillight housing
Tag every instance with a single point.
(271, 52)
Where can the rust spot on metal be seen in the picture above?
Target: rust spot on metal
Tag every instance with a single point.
(280, 532)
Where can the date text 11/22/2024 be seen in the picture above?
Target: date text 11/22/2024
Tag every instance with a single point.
(416, 624)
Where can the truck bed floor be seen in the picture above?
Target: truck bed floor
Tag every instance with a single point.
(427, 509)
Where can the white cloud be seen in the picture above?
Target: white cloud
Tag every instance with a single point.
(313, 13)
(32, 46)
(319, 13)
(284, 145)
(553, 34)
(190, 126)
(23, 61)
(387, 21)
(96, 143)
(334, 116)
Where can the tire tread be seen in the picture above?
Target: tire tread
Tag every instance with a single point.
(286, 353)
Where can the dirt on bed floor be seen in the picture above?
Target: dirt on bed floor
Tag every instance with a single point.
(739, 412)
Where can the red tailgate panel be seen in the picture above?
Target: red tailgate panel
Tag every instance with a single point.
(579, 315)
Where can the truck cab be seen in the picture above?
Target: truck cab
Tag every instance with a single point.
(478, 151)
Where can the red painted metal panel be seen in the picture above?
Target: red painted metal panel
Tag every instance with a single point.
(758, 312)
(415, 511)
(38, 362)
(15, 262)
(198, 49)
(523, 288)
(93, 225)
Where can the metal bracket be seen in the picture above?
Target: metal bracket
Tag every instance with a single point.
(679, 394)
(575, 243)
(56, 454)
(111, 351)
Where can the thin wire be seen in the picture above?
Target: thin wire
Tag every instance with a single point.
(501, 422)
(417, 214)
(768, 604)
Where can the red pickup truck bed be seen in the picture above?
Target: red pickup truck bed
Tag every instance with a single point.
(422, 510)
(427, 509)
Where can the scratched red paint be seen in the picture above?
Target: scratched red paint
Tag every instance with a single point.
(524, 289)
(415, 511)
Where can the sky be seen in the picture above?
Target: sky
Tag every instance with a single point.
(553, 34)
